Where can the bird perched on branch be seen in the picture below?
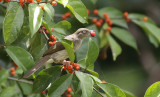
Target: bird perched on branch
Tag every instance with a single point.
(57, 52)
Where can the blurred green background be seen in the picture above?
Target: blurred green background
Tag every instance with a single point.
(133, 71)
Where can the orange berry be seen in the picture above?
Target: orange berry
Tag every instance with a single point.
(70, 71)
(145, 19)
(105, 15)
(30, 1)
(51, 29)
(42, 7)
(54, 3)
(108, 20)
(13, 73)
(47, 31)
(51, 43)
(109, 29)
(95, 12)
(110, 23)
(21, 1)
(101, 21)
(98, 24)
(43, 28)
(94, 20)
(40, 31)
(73, 64)
(68, 95)
(26, 1)
(15, 65)
(125, 14)
(128, 20)
(53, 38)
(69, 67)
(77, 68)
(12, 69)
(38, 0)
(68, 14)
(88, 11)
(64, 18)
(103, 81)
(69, 90)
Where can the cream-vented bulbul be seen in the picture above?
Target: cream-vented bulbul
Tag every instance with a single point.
(57, 52)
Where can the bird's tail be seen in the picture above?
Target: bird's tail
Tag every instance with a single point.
(42, 61)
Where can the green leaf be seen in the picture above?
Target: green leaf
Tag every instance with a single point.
(115, 47)
(128, 94)
(113, 13)
(48, 10)
(3, 76)
(26, 88)
(69, 48)
(153, 90)
(112, 90)
(78, 9)
(13, 22)
(8, 92)
(94, 1)
(45, 77)
(64, 2)
(97, 80)
(35, 17)
(125, 37)
(59, 86)
(21, 57)
(94, 73)
(86, 84)
(92, 53)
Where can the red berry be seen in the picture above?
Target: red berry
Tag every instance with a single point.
(77, 68)
(40, 31)
(64, 68)
(13, 73)
(12, 69)
(38, 0)
(68, 14)
(42, 7)
(88, 11)
(109, 29)
(21, 1)
(7, 0)
(125, 14)
(70, 71)
(64, 18)
(53, 38)
(15, 65)
(145, 19)
(43, 28)
(69, 90)
(101, 21)
(95, 12)
(54, 3)
(128, 20)
(92, 33)
(51, 29)
(103, 81)
(105, 15)
(30, 1)
(68, 95)
(110, 23)
(43, 91)
(51, 43)
(47, 31)
(94, 20)
(73, 64)
(69, 67)
(98, 24)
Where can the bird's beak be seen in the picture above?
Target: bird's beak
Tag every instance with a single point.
(92, 33)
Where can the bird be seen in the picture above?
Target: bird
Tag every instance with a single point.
(57, 52)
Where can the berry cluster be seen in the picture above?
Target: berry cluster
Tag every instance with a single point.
(125, 15)
(71, 67)
(66, 15)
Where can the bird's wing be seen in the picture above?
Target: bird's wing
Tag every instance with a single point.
(55, 48)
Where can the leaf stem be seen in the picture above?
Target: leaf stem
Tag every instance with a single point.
(98, 91)
(20, 80)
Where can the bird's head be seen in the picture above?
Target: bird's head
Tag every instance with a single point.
(84, 32)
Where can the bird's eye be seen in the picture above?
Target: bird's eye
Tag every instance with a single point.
(84, 31)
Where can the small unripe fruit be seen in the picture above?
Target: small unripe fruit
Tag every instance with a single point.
(47, 31)
(69, 67)
(98, 24)
(94, 20)
(92, 33)
(68, 95)
(38, 0)
(95, 12)
(12, 69)
(69, 90)
(125, 14)
(145, 19)
(64, 18)
(68, 14)
(54, 3)
(42, 7)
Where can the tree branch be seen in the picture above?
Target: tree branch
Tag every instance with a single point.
(98, 92)
(20, 80)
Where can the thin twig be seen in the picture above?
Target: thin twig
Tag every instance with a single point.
(20, 80)
(98, 92)
(45, 35)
